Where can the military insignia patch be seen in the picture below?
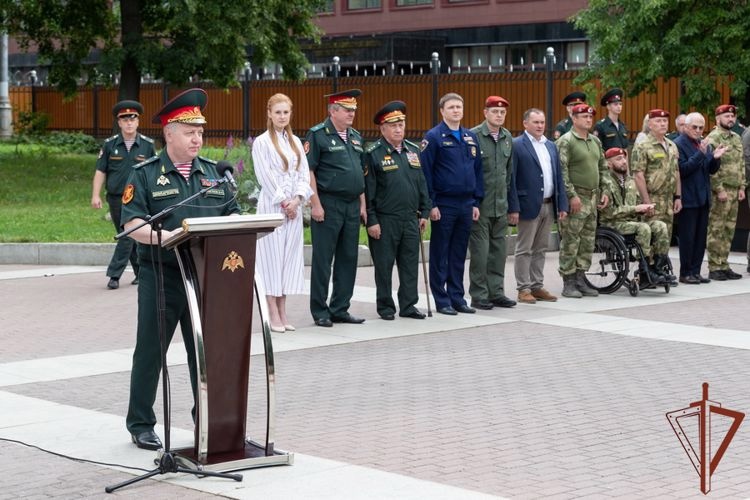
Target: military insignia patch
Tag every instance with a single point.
(233, 261)
(127, 195)
(473, 151)
(424, 144)
(307, 147)
(162, 180)
(101, 153)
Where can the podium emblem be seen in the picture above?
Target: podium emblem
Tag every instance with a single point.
(233, 261)
(704, 464)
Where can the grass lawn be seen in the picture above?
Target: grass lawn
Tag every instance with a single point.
(45, 195)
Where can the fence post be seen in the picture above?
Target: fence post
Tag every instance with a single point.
(335, 74)
(164, 92)
(435, 70)
(95, 106)
(246, 102)
(549, 60)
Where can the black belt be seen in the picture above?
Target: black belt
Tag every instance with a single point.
(547, 200)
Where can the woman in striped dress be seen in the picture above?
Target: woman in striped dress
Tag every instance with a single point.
(281, 168)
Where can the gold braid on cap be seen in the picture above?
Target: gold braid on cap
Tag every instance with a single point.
(189, 115)
(393, 116)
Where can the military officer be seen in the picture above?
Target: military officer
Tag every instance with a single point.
(397, 210)
(656, 173)
(570, 100)
(334, 152)
(452, 166)
(727, 190)
(154, 185)
(118, 154)
(610, 130)
(487, 240)
(624, 214)
(583, 167)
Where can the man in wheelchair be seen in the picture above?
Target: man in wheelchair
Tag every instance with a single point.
(625, 215)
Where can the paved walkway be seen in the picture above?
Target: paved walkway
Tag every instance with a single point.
(557, 400)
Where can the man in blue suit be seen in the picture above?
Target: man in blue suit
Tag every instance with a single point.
(697, 161)
(536, 198)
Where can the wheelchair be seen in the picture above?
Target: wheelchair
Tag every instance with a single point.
(611, 264)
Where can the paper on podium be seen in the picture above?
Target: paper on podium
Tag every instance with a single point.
(261, 223)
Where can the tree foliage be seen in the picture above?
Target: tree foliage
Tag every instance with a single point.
(175, 40)
(702, 42)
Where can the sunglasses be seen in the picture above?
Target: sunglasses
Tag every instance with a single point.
(697, 127)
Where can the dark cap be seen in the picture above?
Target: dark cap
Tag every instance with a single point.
(495, 101)
(612, 152)
(614, 95)
(183, 108)
(394, 111)
(345, 99)
(574, 98)
(725, 108)
(127, 108)
(582, 108)
(658, 113)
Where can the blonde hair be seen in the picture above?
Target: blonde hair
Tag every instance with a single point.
(274, 100)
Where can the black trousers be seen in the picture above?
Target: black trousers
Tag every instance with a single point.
(692, 231)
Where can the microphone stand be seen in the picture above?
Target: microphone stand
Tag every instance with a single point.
(168, 462)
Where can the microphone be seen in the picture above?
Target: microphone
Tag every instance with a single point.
(225, 169)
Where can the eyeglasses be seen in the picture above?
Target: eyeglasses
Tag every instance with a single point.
(697, 127)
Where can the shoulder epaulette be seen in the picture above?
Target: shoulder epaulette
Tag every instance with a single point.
(356, 131)
(413, 144)
(110, 138)
(207, 160)
(317, 127)
(601, 121)
(147, 139)
(148, 161)
(372, 146)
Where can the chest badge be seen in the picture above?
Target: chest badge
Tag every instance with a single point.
(162, 180)
(233, 261)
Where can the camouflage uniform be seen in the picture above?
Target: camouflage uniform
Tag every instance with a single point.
(659, 165)
(723, 215)
(583, 167)
(620, 215)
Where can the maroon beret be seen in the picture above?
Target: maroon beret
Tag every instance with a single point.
(725, 108)
(495, 101)
(582, 108)
(612, 152)
(658, 113)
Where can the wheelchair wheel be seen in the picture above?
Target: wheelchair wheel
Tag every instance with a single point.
(609, 262)
(666, 287)
(633, 288)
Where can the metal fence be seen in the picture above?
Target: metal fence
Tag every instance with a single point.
(241, 111)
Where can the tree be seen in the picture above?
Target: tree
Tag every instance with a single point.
(175, 40)
(702, 42)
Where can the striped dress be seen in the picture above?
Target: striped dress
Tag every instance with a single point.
(279, 262)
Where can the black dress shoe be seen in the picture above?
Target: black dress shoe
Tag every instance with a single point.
(348, 319)
(147, 440)
(415, 314)
(114, 283)
(482, 304)
(701, 278)
(135, 281)
(690, 280)
(503, 302)
(324, 322)
(719, 275)
(388, 317)
(463, 308)
(447, 310)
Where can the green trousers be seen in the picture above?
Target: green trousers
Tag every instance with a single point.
(488, 254)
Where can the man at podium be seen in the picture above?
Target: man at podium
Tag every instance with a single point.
(165, 180)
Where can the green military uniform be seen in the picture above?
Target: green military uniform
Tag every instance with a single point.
(153, 186)
(563, 127)
(396, 193)
(337, 166)
(116, 161)
(583, 165)
(722, 217)
(611, 135)
(620, 214)
(487, 244)
(658, 162)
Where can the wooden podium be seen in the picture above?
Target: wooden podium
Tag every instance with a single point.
(217, 260)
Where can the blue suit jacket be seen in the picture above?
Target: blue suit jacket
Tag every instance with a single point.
(526, 191)
(695, 168)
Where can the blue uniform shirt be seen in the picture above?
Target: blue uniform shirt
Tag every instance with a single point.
(452, 168)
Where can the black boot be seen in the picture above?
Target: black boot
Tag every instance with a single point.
(651, 274)
(661, 262)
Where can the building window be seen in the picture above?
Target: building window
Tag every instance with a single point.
(362, 4)
(409, 3)
(327, 8)
(498, 58)
(460, 58)
(479, 56)
(575, 54)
